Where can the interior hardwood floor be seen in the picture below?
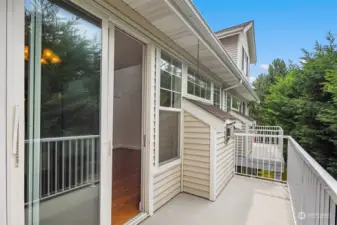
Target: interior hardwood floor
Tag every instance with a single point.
(126, 184)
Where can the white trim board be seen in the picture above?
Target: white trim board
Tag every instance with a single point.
(3, 121)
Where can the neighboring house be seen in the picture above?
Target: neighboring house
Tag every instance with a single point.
(161, 94)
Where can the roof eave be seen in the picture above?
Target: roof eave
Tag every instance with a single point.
(201, 29)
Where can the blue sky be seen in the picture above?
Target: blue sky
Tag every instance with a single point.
(282, 27)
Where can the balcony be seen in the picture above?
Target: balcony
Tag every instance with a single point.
(276, 182)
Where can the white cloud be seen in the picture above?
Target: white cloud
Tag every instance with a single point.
(303, 61)
(252, 79)
(264, 66)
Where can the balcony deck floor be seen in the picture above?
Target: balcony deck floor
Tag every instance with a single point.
(244, 201)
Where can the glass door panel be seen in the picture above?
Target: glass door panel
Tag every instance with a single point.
(62, 107)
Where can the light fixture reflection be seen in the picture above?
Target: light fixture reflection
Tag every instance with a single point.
(48, 56)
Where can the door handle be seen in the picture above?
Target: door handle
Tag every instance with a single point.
(16, 135)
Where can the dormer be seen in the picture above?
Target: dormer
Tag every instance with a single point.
(239, 42)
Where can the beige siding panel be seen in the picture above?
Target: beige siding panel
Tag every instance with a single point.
(193, 174)
(196, 157)
(196, 146)
(224, 161)
(196, 170)
(196, 152)
(166, 186)
(231, 46)
(203, 165)
(196, 129)
(196, 135)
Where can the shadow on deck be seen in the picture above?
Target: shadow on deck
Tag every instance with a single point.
(244, 201)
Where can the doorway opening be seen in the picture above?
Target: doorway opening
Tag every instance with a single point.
(127, 128)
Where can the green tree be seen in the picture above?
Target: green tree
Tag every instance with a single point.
(304, 102)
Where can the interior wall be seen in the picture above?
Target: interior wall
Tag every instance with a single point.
(127, 107)
(127, 118)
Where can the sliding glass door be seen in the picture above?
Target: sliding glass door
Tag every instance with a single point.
(63, 86)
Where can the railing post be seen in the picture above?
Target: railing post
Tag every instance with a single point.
(93, 162)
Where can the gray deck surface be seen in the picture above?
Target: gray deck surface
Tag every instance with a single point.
(244, 201)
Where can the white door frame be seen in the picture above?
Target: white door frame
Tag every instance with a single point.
(14, 78)
(3, 96)
(15, 96)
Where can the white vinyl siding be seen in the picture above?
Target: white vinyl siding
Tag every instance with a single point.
(166, 186)
(231, 46)
(224, 161)
(196, 159)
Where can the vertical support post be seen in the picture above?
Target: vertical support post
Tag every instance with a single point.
(93, 162)
(213, 146)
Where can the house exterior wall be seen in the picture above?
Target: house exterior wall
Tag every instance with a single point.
(166, 185)
(224, 161)
(196, 159)
(231, 46)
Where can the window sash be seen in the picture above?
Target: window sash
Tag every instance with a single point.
(176, 139)
(170, 88)
(198, 86)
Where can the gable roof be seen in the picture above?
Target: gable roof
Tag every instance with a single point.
(215, 111)
(247, 27)
(226, 30)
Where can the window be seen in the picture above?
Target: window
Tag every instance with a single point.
(243, 108)
(170, 110)
(245, 62)
(247, 66)
(168, 136)
(229, 102)
(236, 104)
(216, 96)
(198, 85)
(63, 75)
(243, 59)
(170, 81)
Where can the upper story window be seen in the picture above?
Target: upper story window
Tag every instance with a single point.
(243, 108)
(170, 81)
(245, 62)
(236, 104)
(229, 102)
(216, 96)
(198, 85)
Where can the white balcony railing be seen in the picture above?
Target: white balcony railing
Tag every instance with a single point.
(313, 191)
(66, 164)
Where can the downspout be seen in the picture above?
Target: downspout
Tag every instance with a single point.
(234, 86)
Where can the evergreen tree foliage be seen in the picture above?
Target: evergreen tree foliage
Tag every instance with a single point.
(303, 101)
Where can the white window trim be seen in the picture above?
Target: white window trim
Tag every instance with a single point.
(237, 99)
(166, 165)
(193, 97)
